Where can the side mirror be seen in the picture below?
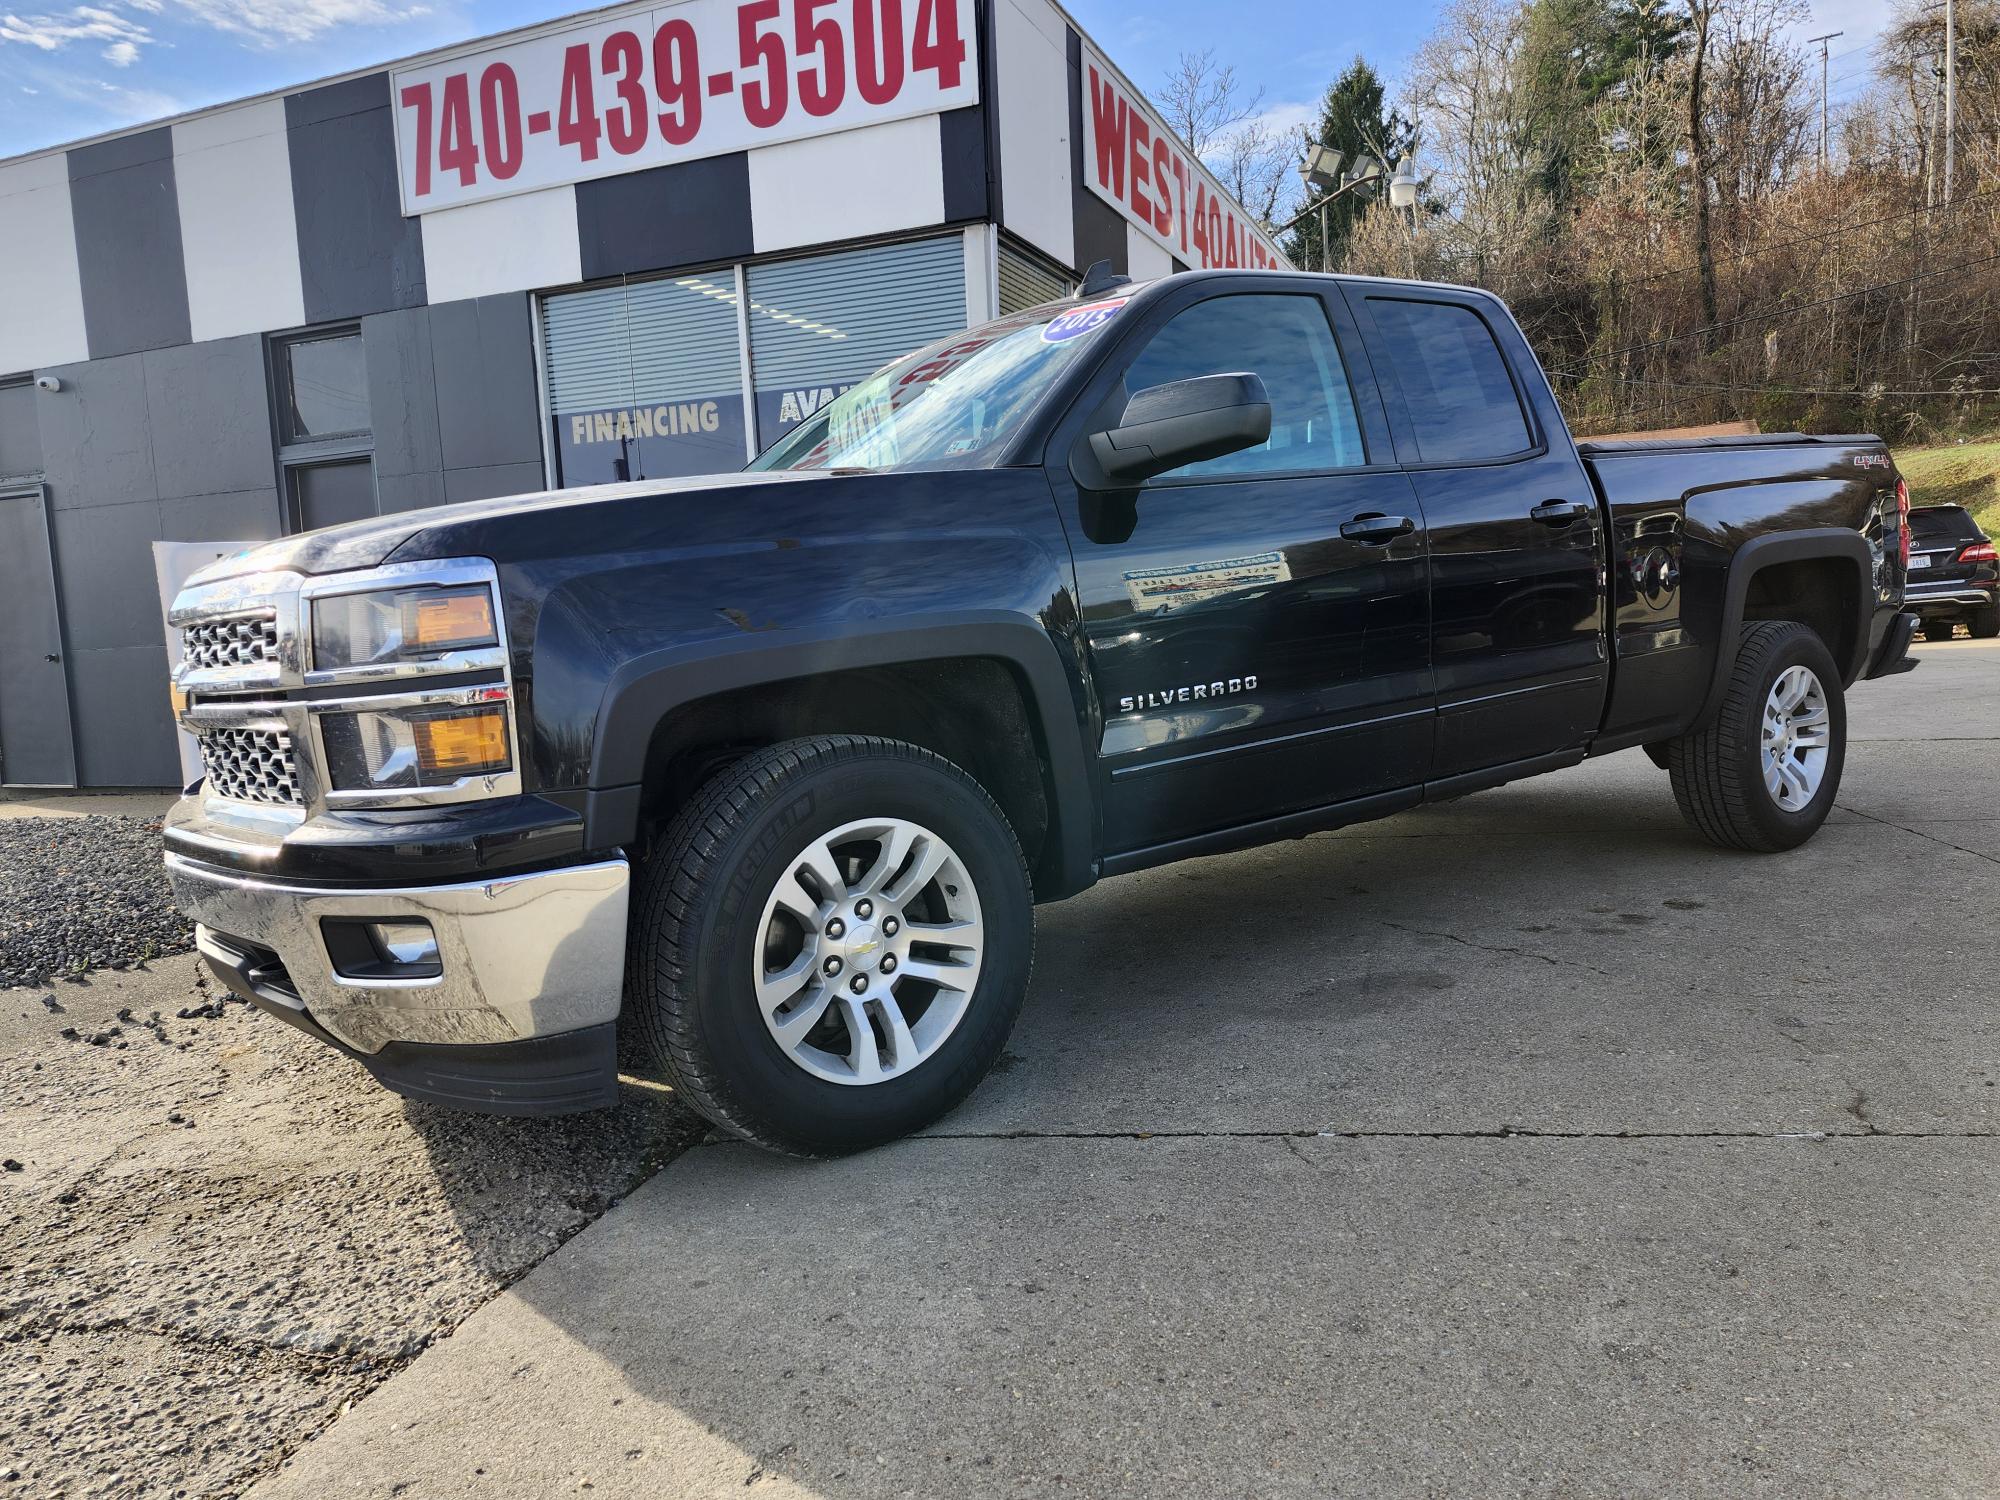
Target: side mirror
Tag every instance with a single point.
(1182, 422)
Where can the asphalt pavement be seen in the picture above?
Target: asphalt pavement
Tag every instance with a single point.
(1524, 1145)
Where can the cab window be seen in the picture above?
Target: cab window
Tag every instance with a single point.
(1287, 341)
(1455, 383)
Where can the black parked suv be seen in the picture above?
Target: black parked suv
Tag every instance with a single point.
(1953, 573)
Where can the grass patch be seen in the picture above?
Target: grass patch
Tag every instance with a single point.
(1965, 474)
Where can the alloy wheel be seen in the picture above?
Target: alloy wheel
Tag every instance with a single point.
(1798, 734)
(868, 951)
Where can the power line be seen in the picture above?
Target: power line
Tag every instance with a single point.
(1765, 314)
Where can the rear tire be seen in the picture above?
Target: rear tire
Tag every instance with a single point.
(1986, 623)
(745, 956)
(1941, 630)
(1764, 774)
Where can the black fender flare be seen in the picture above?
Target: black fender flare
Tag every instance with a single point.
(1817, 544)
(646, 688)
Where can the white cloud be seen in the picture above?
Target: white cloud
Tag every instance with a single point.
(84, 23)
(272, 22)
(1286, 119)
(121, 54)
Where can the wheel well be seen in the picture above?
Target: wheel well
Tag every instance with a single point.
(973, 711)
(1820, 592)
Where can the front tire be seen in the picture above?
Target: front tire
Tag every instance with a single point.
(1939, 630)
(1764, 774)
(831, 944)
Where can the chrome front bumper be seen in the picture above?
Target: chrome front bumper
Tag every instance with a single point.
(519, 957)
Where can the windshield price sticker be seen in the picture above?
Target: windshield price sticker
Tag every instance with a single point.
(1081, 320)
(673, 84)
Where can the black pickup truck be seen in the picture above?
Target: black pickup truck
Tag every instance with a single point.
(770, 768)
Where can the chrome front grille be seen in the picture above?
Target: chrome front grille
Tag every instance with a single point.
(251, 765)
(246, 641)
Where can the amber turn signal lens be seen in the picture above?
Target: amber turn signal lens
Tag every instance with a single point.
(463, 744)
(454, 619)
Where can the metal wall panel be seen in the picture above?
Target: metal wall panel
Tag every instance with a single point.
(35, 745)
(209, 418)
(484, 354)
(968, 171)
(20, 437)
(357, 253)
(97, 439)
(39, 280)
(402, 395)
(239, 232)
(692, 213)
(1097, 229)
(1027, 282)
(128, 243)
(124, 727)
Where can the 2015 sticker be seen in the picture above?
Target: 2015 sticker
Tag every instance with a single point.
(1081, 320)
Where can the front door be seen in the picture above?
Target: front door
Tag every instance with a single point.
(1516, 540)
(1257, 623)
(35, 746)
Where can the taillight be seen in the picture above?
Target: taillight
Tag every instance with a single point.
(1979, 552)
(1903, 522)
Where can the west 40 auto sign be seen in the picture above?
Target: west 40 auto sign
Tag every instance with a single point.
(1137, 165)
(672, 84)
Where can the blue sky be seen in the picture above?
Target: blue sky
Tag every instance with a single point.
(69, 70)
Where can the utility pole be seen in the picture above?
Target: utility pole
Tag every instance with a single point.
(1950, 96)
(1823, 40)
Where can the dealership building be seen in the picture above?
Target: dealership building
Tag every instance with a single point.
(634, 243)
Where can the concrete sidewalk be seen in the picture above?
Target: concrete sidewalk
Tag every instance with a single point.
(1520, 1145)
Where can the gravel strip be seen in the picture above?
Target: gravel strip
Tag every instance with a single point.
(83, 893)
(215, 1233)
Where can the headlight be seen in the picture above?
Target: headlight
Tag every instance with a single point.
(407, 749)
(401, 625)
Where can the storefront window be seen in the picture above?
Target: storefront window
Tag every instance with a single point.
(819, 325)
(646, 381)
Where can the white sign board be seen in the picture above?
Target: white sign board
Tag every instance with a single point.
(672, 84)
(1134, 162)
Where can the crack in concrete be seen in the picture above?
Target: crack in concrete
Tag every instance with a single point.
(1919, 833)
(1546, 958)
(1858, 1107)
(355, 1361)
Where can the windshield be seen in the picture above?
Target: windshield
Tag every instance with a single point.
(953, 405)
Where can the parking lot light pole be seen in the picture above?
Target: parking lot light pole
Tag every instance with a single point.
(1321, 169)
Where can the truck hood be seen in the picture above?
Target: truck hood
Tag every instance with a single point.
(367, 544)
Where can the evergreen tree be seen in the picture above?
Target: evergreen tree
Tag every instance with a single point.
(1354, 120)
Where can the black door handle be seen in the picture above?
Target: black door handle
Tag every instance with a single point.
(1558, 512)
(52, 657)
(1376, 527)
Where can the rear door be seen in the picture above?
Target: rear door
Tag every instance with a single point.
(1256, 623)
(1516, 540)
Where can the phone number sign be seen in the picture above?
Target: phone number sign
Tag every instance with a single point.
(672, 84)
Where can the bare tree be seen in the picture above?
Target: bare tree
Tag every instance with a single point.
(1219, 120)
(1203, 101)
(1703, 12)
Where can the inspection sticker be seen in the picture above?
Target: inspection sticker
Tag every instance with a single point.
(1081, 320)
